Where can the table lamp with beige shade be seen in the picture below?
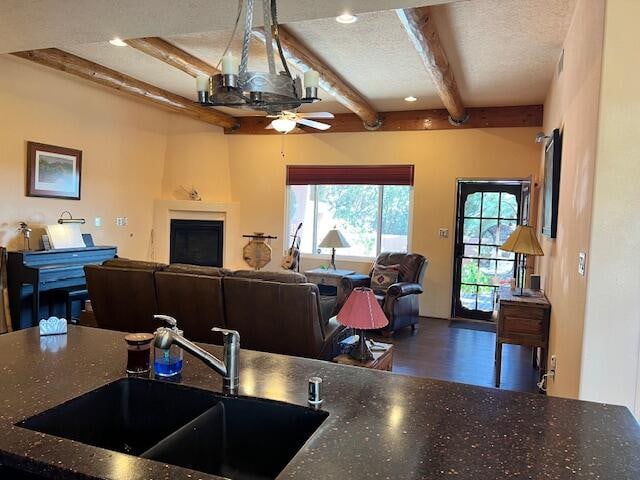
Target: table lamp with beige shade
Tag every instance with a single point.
(334, 239)
(523, 240)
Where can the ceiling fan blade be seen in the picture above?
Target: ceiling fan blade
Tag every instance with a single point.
(313, 124)
(316, 115)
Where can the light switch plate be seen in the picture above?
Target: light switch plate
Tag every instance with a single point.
(97, 221)
(443, 233)
(582, 262)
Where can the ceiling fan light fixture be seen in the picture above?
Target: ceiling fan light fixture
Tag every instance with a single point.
(346, 18)
(284, 125)
(118, 42)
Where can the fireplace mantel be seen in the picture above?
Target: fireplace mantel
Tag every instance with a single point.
(166, 210)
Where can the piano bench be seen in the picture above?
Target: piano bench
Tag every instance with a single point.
(70, 295)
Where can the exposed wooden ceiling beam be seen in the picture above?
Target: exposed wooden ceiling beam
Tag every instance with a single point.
(423, 33)
(67, 62)
(304, 59)
(413, 120)
(174, 56)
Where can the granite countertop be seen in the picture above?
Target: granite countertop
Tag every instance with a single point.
(381, 425)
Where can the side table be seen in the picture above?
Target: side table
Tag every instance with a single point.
(328, 278)
(522, 321)
(382, 359)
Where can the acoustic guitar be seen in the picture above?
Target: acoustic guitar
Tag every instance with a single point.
(291, 259)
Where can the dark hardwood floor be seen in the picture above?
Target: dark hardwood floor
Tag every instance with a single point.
(435, 350)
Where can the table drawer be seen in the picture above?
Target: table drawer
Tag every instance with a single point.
(515, 325)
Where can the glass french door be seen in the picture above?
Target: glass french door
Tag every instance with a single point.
(487, 213)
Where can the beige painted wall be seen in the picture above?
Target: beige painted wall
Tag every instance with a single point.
(197, 156)
(572, 105)
(257, 165)
(123, 144)
(611, 349)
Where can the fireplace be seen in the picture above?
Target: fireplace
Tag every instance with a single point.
(198, 242)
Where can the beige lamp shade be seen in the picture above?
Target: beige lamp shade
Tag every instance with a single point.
(523, 240)
(334, 239)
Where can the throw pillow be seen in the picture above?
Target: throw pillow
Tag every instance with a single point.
(383, 277)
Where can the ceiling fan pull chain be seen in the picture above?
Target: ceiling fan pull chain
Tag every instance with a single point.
(267, 36)
(248, 25)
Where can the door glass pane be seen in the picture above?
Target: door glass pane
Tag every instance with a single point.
(488, 252)
(470, 271)
(472, 205)
(352, 209)
(487, 272)
(395, 218)
(301, 206)
(504, 272)
(471, 250)
(508, 206)
(506, 228)
(489, 231)
(490, 204)
(485, 299)
(468, 296)
(471, 231)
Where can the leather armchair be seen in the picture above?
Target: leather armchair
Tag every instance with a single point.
(400, 303)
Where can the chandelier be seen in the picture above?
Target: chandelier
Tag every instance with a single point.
(272, 92)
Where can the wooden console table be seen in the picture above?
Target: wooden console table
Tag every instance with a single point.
(522, 321)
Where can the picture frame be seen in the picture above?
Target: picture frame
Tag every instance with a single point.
(551, 188)
(53, 171)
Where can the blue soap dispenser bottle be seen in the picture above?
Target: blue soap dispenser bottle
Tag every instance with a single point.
(168, 361)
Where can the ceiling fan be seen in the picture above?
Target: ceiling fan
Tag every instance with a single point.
(286, 121)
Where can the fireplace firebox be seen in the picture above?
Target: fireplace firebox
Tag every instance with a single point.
(198, 242)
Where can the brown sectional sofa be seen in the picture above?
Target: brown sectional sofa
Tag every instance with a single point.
(277, 312)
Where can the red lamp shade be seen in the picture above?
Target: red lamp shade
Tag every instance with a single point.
(362, 311)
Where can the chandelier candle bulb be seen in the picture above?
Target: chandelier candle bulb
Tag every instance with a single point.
(311, 79)
(229, 65)
(202, 83)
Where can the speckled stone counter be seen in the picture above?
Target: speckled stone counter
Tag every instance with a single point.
(381, 425)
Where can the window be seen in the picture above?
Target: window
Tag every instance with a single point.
(373, 218)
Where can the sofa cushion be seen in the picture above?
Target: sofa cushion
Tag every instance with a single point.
(284, 276)
(134, 264)
(197, 270)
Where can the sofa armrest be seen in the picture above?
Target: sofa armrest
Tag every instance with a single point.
(404, 288)
(334, 333)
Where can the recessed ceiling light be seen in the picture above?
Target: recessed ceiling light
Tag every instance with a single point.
(410, 98)
(346, 18)
(118, 42)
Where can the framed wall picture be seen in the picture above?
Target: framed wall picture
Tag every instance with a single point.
(551, 191)
(53, 172)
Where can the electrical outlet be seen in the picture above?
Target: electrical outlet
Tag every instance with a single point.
(582, 262)
(121, 221)
(443, 233)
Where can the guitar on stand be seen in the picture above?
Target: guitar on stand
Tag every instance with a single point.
(291, 261)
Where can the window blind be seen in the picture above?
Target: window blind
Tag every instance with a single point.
(350, 175)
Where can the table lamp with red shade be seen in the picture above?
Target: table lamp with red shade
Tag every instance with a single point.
(362, 312)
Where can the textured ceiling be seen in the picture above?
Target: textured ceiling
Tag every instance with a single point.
(32, 24)
(503, 52)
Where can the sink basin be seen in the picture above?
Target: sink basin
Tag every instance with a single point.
(13, 474)
(235, 437)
